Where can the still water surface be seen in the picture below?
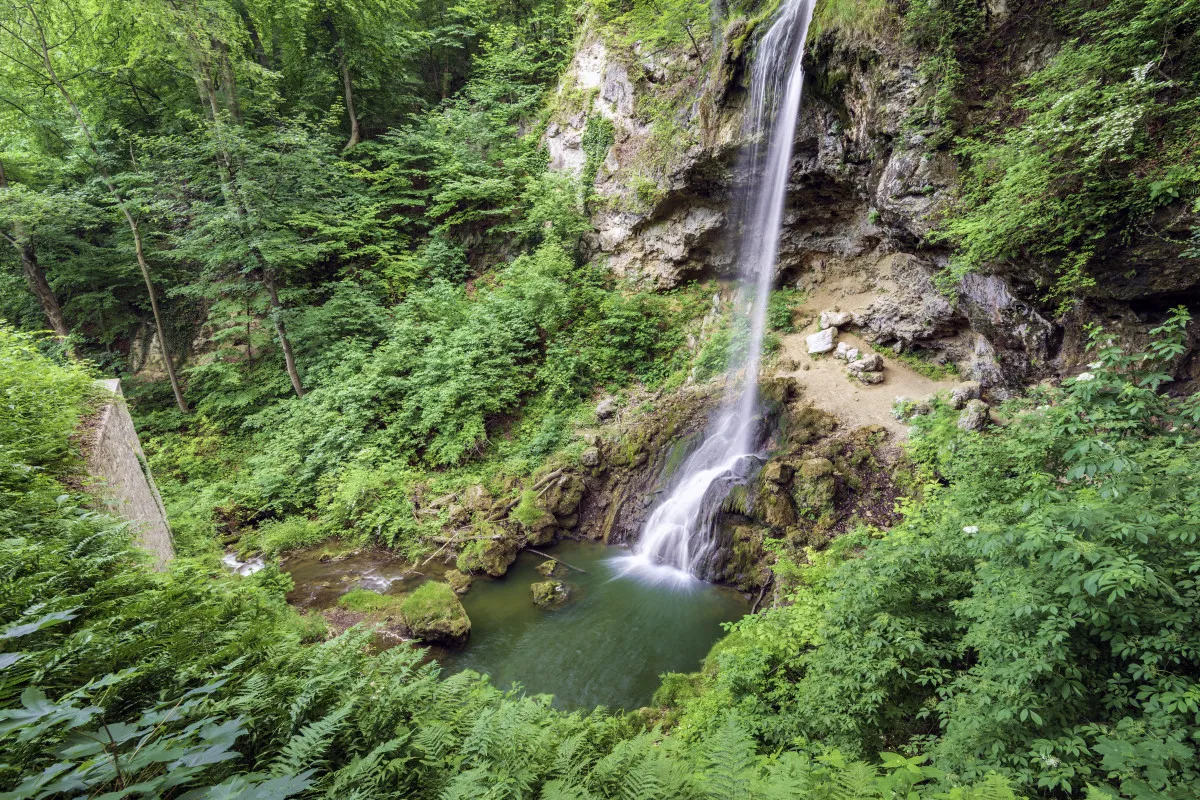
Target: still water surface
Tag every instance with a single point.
(607, 645)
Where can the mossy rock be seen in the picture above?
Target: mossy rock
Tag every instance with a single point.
(779, 391)
(807, 424)
(365, 601)
(491, 556)
(814, 488)
(775, 508)
(808, 535)
(738, 500)
(548, 594)
(815, 468)
(533, 514)
(460, 582)
(433, 613)
(548, 568)
(777, 472)
(746, 556)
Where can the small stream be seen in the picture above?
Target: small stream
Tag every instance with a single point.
(607, 645)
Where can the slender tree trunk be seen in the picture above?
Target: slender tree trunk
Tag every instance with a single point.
(348, 90)
(277, 317)
(35, 277)
(129, 218)
(260, 52)
(235, 201)
(339, 50)
(229, 84)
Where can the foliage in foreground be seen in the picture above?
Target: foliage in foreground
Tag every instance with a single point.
(1035, 612)
(121, 681)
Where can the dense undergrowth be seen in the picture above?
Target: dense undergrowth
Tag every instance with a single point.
(1032, 613)
(1075, 159)
(121, 682)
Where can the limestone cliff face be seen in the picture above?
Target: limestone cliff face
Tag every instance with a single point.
(865, 191)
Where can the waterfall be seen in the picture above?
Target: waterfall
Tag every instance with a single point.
(679, 538)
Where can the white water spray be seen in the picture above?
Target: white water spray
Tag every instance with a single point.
(679, 539)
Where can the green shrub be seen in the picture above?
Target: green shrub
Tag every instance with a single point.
(1104, 139)
(597, 139)
(1007, 622)
(291, 533)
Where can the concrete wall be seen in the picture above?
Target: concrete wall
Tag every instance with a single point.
(124, 483)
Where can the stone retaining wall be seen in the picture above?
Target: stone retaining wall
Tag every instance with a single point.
(114, 457)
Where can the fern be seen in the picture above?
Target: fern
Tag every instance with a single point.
(365, 776)
(730, 756)
(563, 790)
(855, 781)
(306, 748)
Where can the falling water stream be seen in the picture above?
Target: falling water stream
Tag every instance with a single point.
(679, 539)
(634, 617)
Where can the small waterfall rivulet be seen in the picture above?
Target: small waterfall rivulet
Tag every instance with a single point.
(679, 539)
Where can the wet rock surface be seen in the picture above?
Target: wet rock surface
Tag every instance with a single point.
(549, 594)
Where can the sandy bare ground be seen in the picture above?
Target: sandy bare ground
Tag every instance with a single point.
(827, 385)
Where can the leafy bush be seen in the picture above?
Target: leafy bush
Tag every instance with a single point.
(1022, 614)
(41, 406)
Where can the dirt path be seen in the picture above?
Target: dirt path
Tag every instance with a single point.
(827, 386)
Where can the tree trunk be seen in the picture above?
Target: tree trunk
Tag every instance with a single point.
(347, 86)
(229, 84)
(348, 90)
(276, 316)
(112, 188)
(36, 278)
(234, 200)
(42, 291)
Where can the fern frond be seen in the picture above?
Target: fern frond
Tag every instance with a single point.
(307, 746)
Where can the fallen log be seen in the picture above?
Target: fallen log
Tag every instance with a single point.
(754, 608)
(448, 539)
(559, 560)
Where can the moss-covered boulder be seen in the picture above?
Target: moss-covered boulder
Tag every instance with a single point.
(745, 566)
(459, 581)
(814, 487)
(493, 556)
(815, 468)
(535, 518)
(564, 495)
(544, 512)
(548, 568)
(777, 472)
(775, 507)
(548, 594)
(433, 613)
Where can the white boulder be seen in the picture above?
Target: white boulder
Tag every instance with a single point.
(822, 341)
(835, 319)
